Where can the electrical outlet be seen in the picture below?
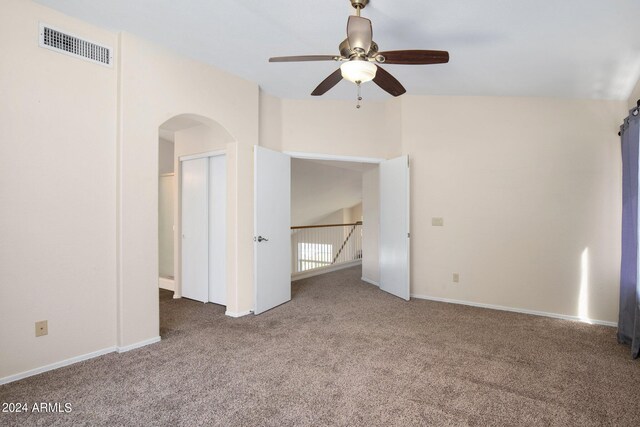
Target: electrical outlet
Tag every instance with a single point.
(437, 222)
(42, 328)
(456, 278)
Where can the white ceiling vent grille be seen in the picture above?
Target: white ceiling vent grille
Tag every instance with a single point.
(51, 38)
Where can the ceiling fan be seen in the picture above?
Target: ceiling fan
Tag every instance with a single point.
(360, 57)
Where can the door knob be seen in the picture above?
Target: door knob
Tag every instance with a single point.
(262, 239)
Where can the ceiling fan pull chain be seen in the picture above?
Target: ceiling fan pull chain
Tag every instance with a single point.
(359, 95)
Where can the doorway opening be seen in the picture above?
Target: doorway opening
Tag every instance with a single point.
(330, 227)
(273, 256)
(190, 144)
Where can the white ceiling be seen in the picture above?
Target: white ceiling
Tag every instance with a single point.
(557, 48)
(319, 188)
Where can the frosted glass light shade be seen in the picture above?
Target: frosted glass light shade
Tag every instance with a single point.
(358, 71)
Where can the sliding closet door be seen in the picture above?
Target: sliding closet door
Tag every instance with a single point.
(217, 230)
(195, 229)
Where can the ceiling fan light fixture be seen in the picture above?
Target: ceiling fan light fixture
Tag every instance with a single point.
(358, 70)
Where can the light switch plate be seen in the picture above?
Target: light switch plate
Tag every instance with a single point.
(437, 222)
(456, 278)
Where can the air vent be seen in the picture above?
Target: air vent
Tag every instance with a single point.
(51, 38)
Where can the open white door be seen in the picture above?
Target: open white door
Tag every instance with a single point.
(394, 227)
(272, 229)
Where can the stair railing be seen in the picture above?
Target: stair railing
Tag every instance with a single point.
(317, 246)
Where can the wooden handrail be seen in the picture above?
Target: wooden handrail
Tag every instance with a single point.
(327, 225)
(335, 258)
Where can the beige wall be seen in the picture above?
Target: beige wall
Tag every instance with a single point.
(270, 121)
(166, 207)
(80, 232)
(336, 127)
(336, 217)
(166, 152)
(166, 222)
(353, 214)
(58, 194)
(525, 186)
(240, 229)
(177, 86)
(347, 215)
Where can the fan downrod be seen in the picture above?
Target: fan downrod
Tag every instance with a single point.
(359, 4)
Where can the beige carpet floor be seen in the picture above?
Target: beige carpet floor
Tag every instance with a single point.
(344, 353)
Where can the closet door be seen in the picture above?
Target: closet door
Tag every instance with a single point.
(217, 230)
(195, 229)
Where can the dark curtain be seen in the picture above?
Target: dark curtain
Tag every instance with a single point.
(629, 321)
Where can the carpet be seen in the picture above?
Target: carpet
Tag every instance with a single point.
(344, 353)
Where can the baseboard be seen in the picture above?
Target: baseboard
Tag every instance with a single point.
(238, 313)
(518, 310)
(61, 364)
(168, 284)
(323, 270)
(133, 346)
(369, 281)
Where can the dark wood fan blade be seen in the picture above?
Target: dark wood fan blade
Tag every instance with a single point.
(359, 33)
(415, 57)
(388, 83)
(328, 83)
(304, 58)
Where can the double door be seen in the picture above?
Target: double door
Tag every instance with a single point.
(272, 234)
(203, 222)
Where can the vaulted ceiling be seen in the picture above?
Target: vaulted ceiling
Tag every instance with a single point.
(567, 48)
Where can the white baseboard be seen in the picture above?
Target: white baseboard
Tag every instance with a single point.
(323, 270)
(369, 281)
(518, 310)
(168, 284)
(133, 346)
(238, 313)
(62, 363)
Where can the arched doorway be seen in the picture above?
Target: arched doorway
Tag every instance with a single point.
(185, 136)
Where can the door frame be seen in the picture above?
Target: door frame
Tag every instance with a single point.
(330, 157)
(177, 236)
(334, 157)
(201, 155)
(309, 156)
(337, 158)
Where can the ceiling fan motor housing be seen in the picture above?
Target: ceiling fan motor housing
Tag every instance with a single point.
(347, 52)
(359, 4)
